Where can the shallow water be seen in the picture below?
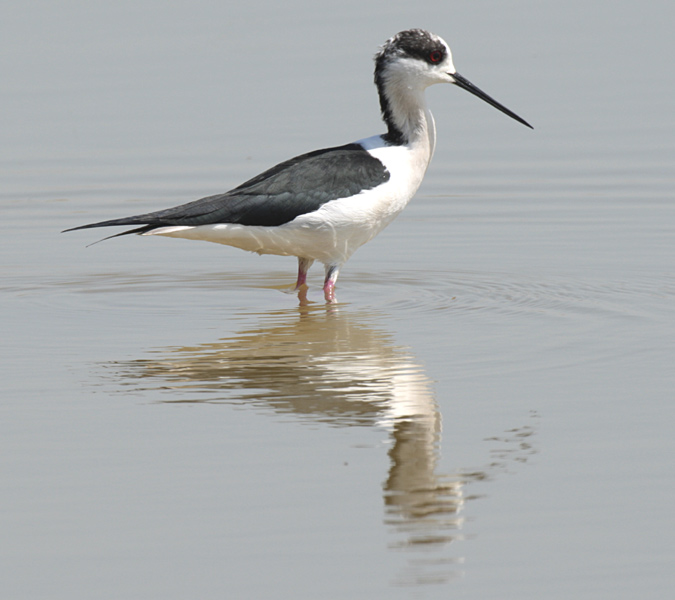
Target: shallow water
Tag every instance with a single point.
(487, 411)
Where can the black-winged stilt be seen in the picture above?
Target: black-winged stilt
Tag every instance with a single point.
(323, 205)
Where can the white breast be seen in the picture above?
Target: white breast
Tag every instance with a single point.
(335, 231)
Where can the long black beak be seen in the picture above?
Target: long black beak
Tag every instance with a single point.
(465, 84)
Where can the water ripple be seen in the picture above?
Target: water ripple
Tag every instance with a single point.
(400, 293)
(515, 294)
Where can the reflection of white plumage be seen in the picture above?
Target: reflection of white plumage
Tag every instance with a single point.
(325, 204)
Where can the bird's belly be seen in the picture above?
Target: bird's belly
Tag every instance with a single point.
(327, 243)
(329, 235)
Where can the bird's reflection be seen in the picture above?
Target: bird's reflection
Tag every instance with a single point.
(333, 365)
(326, 363)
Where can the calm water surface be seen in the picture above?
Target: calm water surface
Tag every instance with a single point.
(486, 413)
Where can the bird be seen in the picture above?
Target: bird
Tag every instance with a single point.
(323, 205)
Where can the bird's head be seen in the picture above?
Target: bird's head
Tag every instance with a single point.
(414, 59)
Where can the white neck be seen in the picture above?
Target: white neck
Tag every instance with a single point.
(409, 120)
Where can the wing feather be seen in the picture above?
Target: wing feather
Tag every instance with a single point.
(277, 196)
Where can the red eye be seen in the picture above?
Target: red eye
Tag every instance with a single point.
(435, 56)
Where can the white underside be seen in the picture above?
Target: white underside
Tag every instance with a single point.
(331, 234)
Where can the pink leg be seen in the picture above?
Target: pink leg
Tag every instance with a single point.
(303, 266)
(332, 272)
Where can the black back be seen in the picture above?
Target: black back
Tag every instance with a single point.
(292, 188)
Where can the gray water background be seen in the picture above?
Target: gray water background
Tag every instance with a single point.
(487, 413)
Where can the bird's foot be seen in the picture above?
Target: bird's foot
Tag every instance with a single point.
(329, 283)
(329, 292)
(302, 295)
(303, 266)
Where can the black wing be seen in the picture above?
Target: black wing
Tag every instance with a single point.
(279, 195)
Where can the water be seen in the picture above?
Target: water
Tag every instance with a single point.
(488, 410)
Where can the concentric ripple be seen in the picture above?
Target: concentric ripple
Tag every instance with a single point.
(514, 293)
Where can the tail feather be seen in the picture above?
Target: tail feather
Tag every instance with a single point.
(138, 230)
(137, 220)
